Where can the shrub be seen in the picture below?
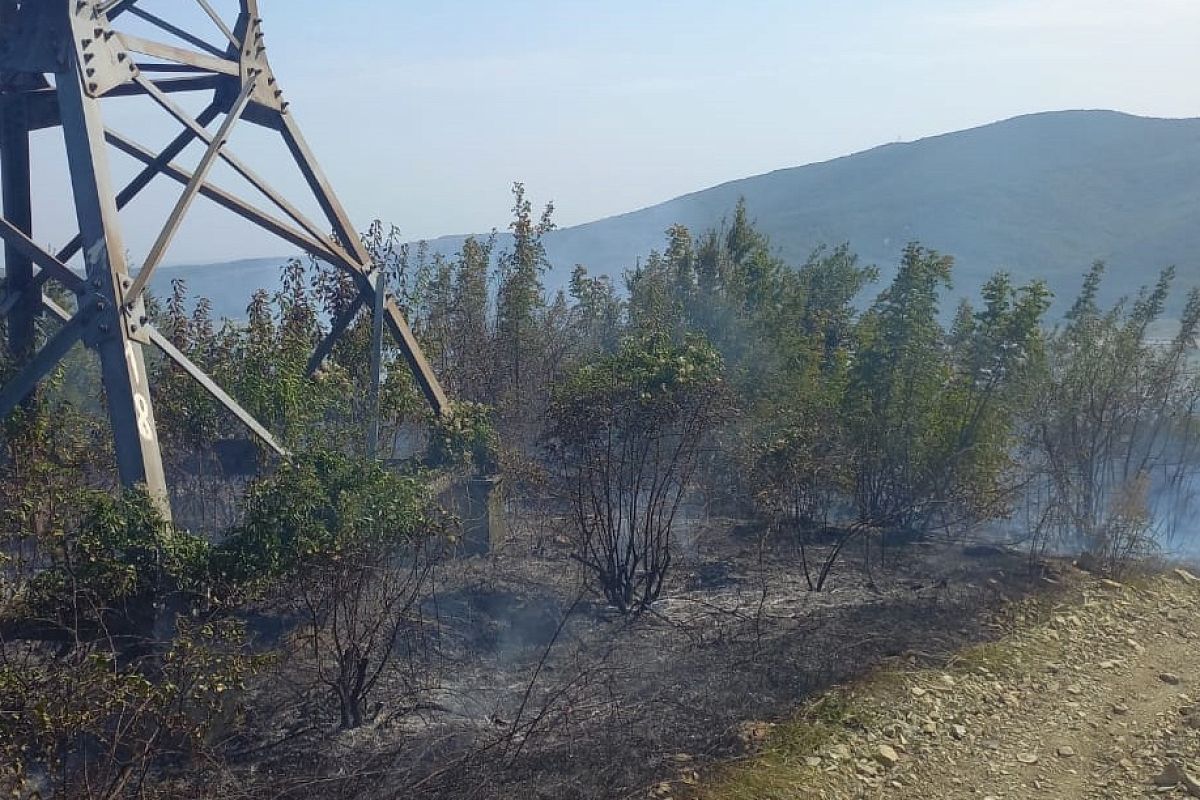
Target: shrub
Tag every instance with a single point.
(627, 430)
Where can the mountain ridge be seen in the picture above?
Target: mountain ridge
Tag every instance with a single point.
(1040, 195)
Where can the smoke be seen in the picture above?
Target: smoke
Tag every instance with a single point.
(1155, 513)
(1175, 506)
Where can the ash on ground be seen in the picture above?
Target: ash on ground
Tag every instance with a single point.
(528, 686)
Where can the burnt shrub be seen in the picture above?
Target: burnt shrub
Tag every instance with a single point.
(627, 430)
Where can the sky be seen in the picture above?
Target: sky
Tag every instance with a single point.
(423, 115)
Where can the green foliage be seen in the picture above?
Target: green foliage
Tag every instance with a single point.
(520, 294)
(112, 565)
(318, 507)
(647, 379)
(930, 425)
(465, 438)
(91, 696)
(997, 357)
(85, 723)
(598, 309)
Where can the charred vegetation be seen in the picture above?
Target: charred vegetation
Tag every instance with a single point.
(726, 486)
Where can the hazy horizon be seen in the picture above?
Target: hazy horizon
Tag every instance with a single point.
(424, 119)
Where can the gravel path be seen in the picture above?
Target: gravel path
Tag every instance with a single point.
(1098, 697)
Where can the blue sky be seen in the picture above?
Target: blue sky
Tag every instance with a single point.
(424, 114)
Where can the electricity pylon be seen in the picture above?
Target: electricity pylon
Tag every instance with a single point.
(59, 60)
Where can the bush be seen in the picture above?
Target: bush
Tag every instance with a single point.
(465, 439)
(95, 691)
(81, 723)
(353, 543)
(111, 571)
(627, 430)
(319, 507)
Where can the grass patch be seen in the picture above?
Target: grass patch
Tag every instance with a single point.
(780, 772)
(997, 658)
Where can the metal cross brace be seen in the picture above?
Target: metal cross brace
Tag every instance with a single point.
(59, 59)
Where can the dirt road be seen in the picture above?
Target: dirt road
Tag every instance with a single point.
(1096, 695)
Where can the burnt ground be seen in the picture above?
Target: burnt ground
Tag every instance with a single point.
(525, 686)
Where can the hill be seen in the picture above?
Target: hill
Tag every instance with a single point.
(1042, 195)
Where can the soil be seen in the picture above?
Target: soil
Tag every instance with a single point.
(1095, 694)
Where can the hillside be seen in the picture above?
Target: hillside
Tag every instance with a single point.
(1041, 195)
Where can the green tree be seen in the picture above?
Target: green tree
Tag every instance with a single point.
(892, 401)
(520, 295)
(931, 414)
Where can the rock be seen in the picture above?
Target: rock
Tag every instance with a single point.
(1066, 751)
(755, 733)
(958, 731)
(1174, 774)
(839, 752)
(1186, 576)
(887, 756)
(1170, 678)
(917, 691)
(1027, 758)
(813, 761)
(1120, 709)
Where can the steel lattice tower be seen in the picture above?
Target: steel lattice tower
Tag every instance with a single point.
(59, 59)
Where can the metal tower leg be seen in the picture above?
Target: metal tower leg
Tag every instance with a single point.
(18, 209)
(117, 333)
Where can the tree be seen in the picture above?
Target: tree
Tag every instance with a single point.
(598, 312)
(473, 356)
(1112, 434)
(520, 295)
(997, 361)
(891, 403)
(627, 430)
(931, 415)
